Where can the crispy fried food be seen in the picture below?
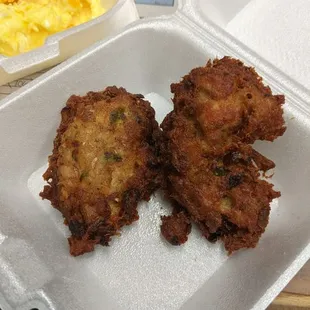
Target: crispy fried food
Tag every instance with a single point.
(103, 163)
(211, 168)
(176, 227)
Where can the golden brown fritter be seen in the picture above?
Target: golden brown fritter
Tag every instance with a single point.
(211, 170)
(103, 163)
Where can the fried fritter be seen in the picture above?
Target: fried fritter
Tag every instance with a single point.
(211, 169)
(103, 163)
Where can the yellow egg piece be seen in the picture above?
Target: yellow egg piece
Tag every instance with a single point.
(25, 24)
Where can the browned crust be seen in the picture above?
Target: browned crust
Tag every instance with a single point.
(210, 167)
(88, 210)
(176, 227)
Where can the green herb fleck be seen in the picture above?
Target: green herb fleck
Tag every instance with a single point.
(112, 157)
(138, 119)
(117, 115)
(74, 156)
(220, 171)
(83, 175)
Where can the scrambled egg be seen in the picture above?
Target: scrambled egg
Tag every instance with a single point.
(25, 24)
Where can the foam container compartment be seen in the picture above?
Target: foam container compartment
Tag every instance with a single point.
(220, 12)
(140, 270)
(63, 45)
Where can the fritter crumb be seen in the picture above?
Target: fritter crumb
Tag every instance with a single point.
(176, 227)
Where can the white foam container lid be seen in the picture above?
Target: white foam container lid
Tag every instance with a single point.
(63, 45)
(140, 270)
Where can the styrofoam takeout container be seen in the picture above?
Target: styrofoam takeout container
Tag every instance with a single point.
(63, 45)
(140, 270)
